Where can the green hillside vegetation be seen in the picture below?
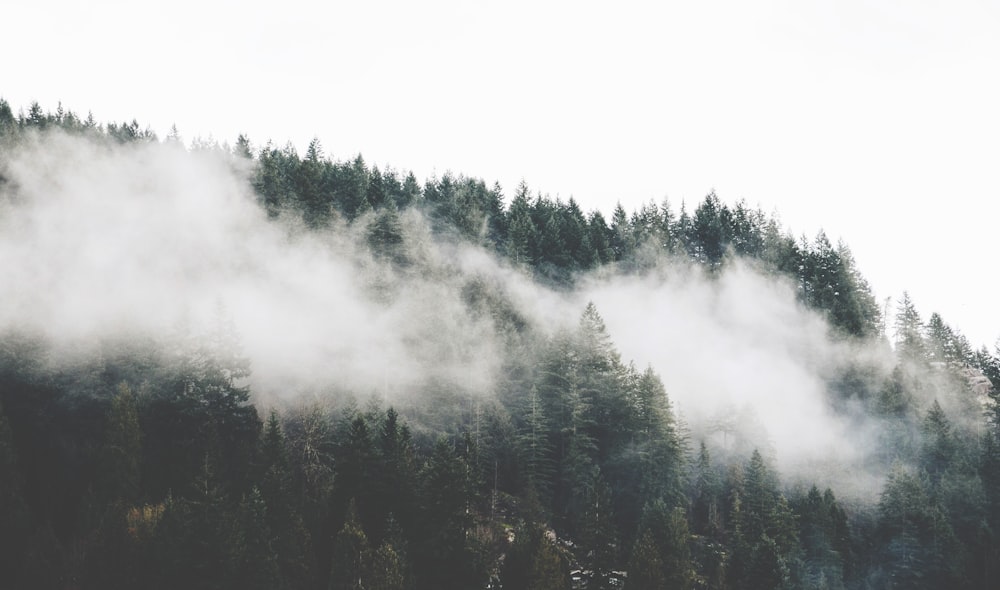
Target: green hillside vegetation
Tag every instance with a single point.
(146, 463)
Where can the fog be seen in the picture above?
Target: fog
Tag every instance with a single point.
(100, 241)
(748, 367)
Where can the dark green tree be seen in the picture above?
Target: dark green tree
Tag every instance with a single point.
(534, 561)
(386, 571)
(442, 556)
(15, 522)
(350, 555)
(255, 563)
(121, 455)
(908, 329)
(916, 547)
(645, 567)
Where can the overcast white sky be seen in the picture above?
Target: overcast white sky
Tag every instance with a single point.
(878, 121)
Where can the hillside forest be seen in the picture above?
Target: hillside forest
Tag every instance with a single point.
(234, 366)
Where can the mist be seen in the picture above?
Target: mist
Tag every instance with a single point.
(102, 241)
(748, 367)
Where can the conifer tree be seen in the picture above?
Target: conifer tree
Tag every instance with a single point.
(386, 570)
(908, 327)
(598, 535)
(291, 540)
(645, 568)
(14, 515)
(349, 570)
(443, 556)
(121, 455)
(534, 562)
(255, 563)
(938, 449)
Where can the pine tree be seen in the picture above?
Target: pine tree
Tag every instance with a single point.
(622, 241)
(310, 447)
(645, 568)
(121, 455)
(393, 495)
(523, 235)
(354, 478)
(938, 449)
(442, 554)
(706, 496)
(349, 570)
(385, 236)
(353, 188)
(291, 540)
(709, 233)
(386, 570)
(909, 341)
(534, 562)
(14, 515)
(252, 548)
(599, 236)
(669, 533)
(598, 535)
(917, 546)
(534, 449)
(989, 472)
(662, 452)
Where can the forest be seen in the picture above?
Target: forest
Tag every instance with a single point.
(232, 366)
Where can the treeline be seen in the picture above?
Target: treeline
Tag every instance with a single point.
(553, 238)
(143, 463)
(556, 239)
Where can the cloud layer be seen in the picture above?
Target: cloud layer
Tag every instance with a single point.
(97, 241)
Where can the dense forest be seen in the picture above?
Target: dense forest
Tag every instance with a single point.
(477, 436)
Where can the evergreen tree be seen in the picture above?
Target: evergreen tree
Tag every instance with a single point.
(534, 562)
(669, 533)
(386, 237)
(523, 235)
(600, 236)
(662, 456)
(597, 534)
(765, 534)
(44, 563)
(354, 477)
(442, 557)
(291, 541)
(386, 570)
(534, 449)
(645, 568)
(908, 329)
(825, 538)
(252, 548)
(352, 188)
(396, 470)
(706, 496)
(14, 515)
(351, 554)
(938, 449)
(309, 186)
(121, 455)
(989, 472)
(709, 234)
(917, 546)
(622, 241)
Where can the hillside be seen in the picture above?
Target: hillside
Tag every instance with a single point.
(232, 366)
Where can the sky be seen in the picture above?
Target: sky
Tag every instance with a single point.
(876, 121)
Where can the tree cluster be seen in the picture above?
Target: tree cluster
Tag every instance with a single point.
(147, 464)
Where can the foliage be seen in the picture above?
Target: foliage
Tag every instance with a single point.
(150, 466)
